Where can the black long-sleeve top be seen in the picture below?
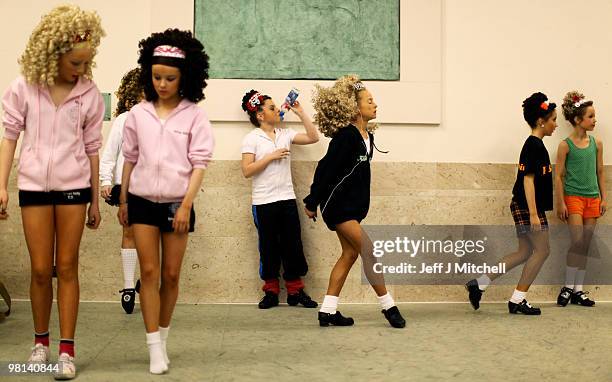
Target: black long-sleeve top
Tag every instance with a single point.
(341, 185)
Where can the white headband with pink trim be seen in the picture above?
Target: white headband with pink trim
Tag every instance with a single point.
(168, 51)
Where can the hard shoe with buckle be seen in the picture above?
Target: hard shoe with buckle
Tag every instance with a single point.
(580, 298)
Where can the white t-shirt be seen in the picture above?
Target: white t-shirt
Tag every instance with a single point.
(111, 163)
(367, 144)
(274, 183)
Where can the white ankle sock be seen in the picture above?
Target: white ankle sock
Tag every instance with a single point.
(483, 282)
(164, 338)
(129, 258)
(570, 277)
(580, 273)
(518, 296)
(156, 354)
(386, 301)
(330, 304)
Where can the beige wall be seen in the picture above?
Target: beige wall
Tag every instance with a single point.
(465, 63)
(484, 56)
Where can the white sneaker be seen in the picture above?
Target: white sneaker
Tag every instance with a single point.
(67, 369)
(40, 354)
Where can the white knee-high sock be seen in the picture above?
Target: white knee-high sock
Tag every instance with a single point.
(157, 365)
(570, 277)
(129, 258)
(580, 273)
(164, 338)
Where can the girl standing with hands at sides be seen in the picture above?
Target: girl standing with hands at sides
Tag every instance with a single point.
(167, 144)
(341, 187)
(581, 192)
(265, 157)
(59, 110)
(111, 167)
(532, 197)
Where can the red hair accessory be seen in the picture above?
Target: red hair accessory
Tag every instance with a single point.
(82, 37)
(254, 102)
(544, 105)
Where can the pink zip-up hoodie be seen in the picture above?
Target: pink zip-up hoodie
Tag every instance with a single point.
(166, 153)
(57, 140)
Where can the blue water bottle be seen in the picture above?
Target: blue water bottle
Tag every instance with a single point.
(289, 101)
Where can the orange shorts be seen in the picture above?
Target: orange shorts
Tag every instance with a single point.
(586, 207)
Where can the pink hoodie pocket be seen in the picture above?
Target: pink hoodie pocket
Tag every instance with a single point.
(143, 181)
(68, 173)
(29, 170)
(174, 183)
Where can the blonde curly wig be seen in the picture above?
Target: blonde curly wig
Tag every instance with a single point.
(575, 106)
(55, 35)
(336, 106)
(130, 91)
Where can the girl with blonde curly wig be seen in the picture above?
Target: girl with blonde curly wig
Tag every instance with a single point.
(581, 192)
(341, 187)
(111, 165)
(59, 110)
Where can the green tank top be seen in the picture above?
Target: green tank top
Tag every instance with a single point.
(581, 170)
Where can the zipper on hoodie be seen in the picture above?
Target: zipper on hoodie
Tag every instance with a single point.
(161, 133)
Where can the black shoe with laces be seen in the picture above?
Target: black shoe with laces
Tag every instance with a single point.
(128, 299)
(394, 317)
(524, 308)
(269, 300)
(475, 294)
(336, 319)
(301, 298)
(564, 296)
(580, 298)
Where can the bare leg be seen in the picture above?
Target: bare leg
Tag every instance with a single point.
(342, 267)
(173, 251)
(515, 258)
(541, 250)
(127, 240)
(69, 224)
(39, 230)
(361, 243)
(147, 246)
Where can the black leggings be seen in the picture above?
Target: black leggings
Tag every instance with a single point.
(280, 240)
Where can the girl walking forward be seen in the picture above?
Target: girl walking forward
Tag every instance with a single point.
(59, 110)
(167, 144)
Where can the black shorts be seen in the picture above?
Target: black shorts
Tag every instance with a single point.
(161, 215)
(53, 198)
(113, 200)
(521, 219)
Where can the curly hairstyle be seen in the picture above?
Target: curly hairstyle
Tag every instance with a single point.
(336, 106)
(575, 107)
(194, 67)
(259, 108)
(56, 34)
(129, 92)
(535, 107)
